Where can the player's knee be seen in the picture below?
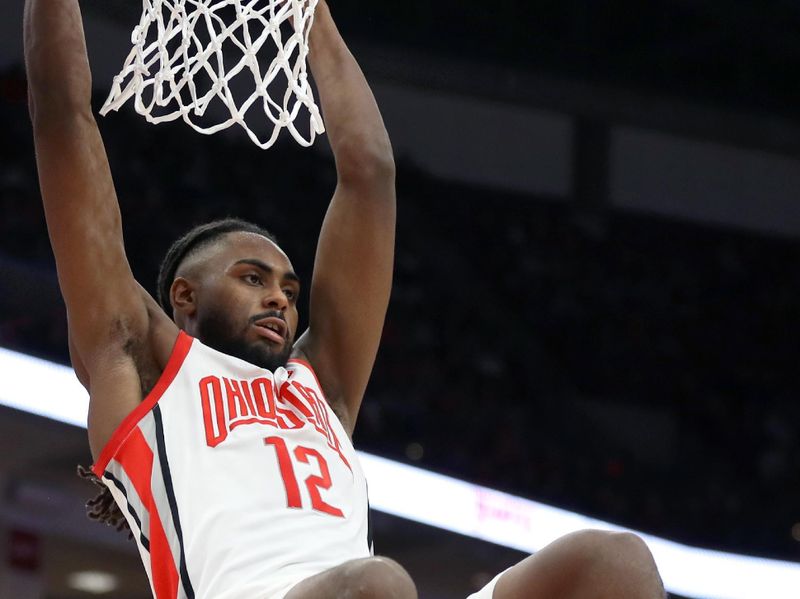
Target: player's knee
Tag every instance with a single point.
(625, 557)
(630, 548)
(615, 550)
(621, 560)
(383, 578)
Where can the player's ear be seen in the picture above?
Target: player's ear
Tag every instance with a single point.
(182, 296)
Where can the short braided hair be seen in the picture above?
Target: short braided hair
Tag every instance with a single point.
(197, 238)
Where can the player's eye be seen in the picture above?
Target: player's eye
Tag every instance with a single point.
(253, 279)
(290, 294)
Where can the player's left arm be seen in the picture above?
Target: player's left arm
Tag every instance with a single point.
(352, 276)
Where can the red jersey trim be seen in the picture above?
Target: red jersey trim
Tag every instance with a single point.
(179, 352)
(313, 373)
(310, 368)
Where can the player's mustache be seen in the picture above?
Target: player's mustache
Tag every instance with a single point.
(268, 314)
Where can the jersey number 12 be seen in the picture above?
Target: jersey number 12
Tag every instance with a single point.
(313, 483)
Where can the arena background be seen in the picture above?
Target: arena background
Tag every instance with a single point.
(596, 294)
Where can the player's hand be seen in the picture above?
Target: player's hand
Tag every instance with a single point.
(320, 3)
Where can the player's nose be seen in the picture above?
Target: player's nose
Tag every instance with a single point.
(275, 298)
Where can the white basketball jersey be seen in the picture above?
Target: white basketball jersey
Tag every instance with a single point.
(233, 477)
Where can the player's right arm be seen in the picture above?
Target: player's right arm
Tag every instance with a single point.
(110, 323)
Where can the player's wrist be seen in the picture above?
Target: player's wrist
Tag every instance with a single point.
(323, 27)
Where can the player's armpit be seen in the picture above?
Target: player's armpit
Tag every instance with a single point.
(162, 334)
(122, 374)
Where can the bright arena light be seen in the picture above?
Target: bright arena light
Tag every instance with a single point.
(41, 387)
(50, 390)
(93, 582)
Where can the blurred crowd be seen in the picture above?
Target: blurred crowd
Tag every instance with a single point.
(639, 370)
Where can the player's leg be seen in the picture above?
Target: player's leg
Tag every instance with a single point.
(588, 564)
(368, 578)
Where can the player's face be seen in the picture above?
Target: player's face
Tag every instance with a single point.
(247, 300)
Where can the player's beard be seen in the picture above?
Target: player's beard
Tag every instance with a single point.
(216, 331)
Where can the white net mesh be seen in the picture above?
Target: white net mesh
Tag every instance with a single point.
(188, 54)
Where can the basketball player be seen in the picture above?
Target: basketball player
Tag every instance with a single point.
(222, 436)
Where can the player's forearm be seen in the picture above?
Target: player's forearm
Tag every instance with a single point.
(355, 128)
(59, 79)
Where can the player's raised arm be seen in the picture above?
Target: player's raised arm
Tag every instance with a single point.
(107, 315)
(355, 255)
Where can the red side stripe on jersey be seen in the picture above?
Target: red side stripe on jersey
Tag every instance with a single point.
(181, 348)
(136, 458)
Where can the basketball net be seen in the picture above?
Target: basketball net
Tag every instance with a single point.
(177, 67)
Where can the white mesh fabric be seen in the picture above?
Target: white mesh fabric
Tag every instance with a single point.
(186, 53)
